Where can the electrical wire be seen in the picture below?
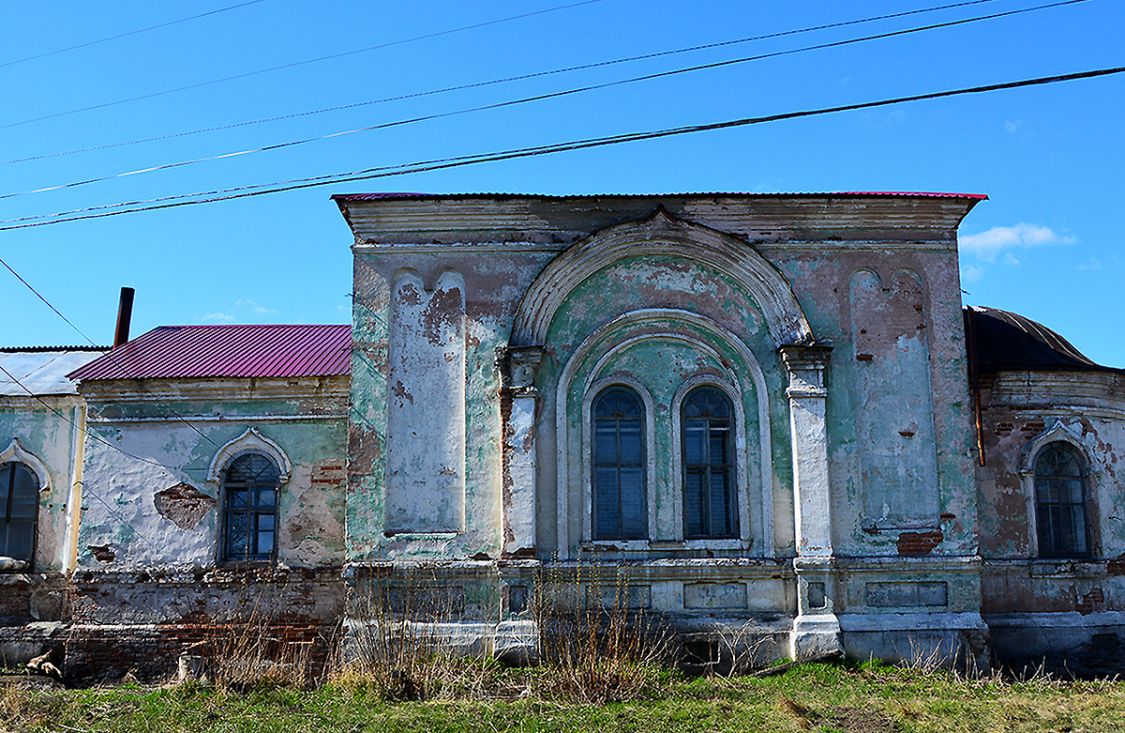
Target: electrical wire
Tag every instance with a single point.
(294, 64)
(527, 100)
(138, 31)
(108, 354)
(294, 184)
(490, 82)
(86, 492)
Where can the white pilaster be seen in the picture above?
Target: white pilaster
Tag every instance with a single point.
(816, 630)
(520, 398)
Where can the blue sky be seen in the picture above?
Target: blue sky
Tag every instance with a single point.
(1051, 158)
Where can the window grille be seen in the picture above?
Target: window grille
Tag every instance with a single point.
(250, 488)
(707, 447)
(620, 508)
(19, 506)
(1060, 502)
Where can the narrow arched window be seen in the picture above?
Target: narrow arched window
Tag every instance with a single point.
(250, 487)
(620, 509)
(707, 446)
(1060, 502)
(19, 505)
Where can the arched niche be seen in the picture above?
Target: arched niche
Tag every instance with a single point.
(661, 234)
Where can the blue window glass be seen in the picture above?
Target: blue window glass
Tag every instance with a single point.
(250, 487)
(19, 507)
(620, 506)
(710, 493)
(1060, 502)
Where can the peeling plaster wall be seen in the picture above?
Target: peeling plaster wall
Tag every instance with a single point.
(1023, 411)
(39, 593)
(680, 319)
(451, 418)
(49, 438)
(157, 508)
(1071, 612)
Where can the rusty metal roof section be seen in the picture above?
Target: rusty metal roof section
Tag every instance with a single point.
(231, 351)
(1006, 341)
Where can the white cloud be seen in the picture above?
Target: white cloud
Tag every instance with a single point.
(988, 244)
(254, 306)
(1013, 126)
(218, 317)
(971, 273)
(1089, 265)
(1011, 259)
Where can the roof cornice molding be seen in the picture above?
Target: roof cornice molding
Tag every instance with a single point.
(540, 220)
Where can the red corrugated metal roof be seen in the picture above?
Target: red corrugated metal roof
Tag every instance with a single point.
(500, 195)
(189, 352)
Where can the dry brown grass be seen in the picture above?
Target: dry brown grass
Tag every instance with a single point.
(594, 646)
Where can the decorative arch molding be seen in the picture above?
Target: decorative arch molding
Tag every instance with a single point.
(251, 441)
(16, 452)
(1057, 433)
(661, 234)
(762, 544)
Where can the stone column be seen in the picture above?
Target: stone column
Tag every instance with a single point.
(816, 630)
(519, 399)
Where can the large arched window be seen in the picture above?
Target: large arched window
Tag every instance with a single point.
(1060, 502)
(707, 445)
(250, 486)
(19, 504)
(620, 505)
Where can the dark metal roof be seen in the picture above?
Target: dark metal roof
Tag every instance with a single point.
(237, 351)
(1005, 341)
(392, 195)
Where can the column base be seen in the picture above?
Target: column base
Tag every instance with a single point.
(815, 637)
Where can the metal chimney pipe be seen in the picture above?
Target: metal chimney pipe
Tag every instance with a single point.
(124, 316)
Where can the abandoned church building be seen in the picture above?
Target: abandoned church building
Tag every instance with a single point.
(765, 412)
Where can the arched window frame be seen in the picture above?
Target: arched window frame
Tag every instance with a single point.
(16, 453)
(741, 477)
(251, 441)
(592, 393)
(1059, 433)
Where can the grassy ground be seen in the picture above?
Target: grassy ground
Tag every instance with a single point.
(864, 699)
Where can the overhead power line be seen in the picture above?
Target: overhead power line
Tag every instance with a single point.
(108, 353)
(490, 82)
(93, 434)
(136, 32)
(534, 98)
(294, 64)
(294, 184)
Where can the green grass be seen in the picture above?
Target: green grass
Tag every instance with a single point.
(849, 699)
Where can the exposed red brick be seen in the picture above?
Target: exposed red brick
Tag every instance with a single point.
(916, 544)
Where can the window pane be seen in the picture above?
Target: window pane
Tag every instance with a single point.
(694, 439)
(631, 449)
(237, 525)
(719, 444)
(605, 442)
(605, 498)
(632, 502)
(1060, 495)
(238, 499)
(265, 521)
(693, 504)
(267, 497)
(720, 510)
(18, 540)
(265, 543)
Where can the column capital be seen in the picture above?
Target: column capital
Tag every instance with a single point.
(519, 365)
(806, 365)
